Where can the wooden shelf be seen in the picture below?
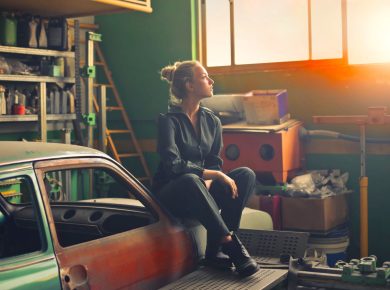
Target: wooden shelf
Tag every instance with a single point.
(35, 79)
(36, 51)
(74, 8)
(34, 118)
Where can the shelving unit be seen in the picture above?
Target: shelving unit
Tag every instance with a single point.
(42, 117)
(56, 8)
(34, 118)
(35, 79)
(75, 8)
(35, 51)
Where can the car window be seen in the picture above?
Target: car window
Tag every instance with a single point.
(93, 203)
(19, 221)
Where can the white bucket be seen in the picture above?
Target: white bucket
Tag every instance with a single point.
(334, 248)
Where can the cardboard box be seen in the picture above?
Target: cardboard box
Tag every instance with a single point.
(266, 107)
(314, 214)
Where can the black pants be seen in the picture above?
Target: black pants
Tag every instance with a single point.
(188, 197)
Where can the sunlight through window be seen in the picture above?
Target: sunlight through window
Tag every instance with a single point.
(368, 31)
(270, 31)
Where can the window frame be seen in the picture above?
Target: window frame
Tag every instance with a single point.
(234, 68)
(42, 167)
(45, 252)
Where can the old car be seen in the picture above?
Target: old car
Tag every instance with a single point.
(73, 218)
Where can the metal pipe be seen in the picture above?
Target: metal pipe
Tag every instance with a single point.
(363, 195)
(363, 216)
(102, 121)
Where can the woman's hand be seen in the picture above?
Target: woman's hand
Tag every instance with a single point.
(208, 183)
(223, 178)
(229, 182)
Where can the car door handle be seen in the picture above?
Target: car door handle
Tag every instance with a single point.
(76, 277)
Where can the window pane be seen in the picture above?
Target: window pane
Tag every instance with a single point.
(92, 203)
(218, 32)
(368, 31)
(326, 29)
(270, 31)
(20, 229)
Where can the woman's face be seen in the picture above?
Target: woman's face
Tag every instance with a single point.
(201, 85)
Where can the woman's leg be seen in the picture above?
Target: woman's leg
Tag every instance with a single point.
(188, 197)
(231, 209)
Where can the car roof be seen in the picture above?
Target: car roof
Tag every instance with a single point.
(21, 151)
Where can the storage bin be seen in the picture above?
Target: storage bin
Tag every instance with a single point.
(266, 107)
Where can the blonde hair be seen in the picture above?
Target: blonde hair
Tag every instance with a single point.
(177, 76)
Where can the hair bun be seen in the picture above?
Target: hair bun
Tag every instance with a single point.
(168, 72)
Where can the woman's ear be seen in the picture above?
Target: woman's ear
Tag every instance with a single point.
(189, 86)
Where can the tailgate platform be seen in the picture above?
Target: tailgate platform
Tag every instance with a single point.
(208, 278)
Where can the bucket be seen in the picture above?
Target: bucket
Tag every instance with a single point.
(334, 248)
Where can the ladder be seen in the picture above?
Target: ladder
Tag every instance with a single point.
(125, 133)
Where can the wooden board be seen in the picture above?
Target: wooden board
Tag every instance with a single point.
(71, 8)
(244, 127)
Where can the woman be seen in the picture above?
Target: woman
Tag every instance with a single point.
(189, 180)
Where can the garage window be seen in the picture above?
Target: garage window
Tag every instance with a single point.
(248, 32)
(259, 34)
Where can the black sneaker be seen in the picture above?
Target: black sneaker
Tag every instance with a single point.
(245, 265)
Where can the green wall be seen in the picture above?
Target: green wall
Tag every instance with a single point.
(138, 45)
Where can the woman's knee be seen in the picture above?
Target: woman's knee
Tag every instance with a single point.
(190, 180)
(244, 172)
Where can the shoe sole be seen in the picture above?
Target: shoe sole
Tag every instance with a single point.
(218, 265)
(248, 271)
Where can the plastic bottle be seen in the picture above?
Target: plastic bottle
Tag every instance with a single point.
(42, 41)
(3, 104)
(33, 42)
(8, 29)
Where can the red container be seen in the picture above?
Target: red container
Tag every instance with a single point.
(18, 109)
(265, 149)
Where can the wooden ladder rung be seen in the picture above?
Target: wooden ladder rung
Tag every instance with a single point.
(107, 85)
(118, 131)
(100, 63)
(128, 155)
(118, 106)
(114, 108)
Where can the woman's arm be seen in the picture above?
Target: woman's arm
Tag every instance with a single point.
(209, 174)
(213, 160)
(213, 163)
